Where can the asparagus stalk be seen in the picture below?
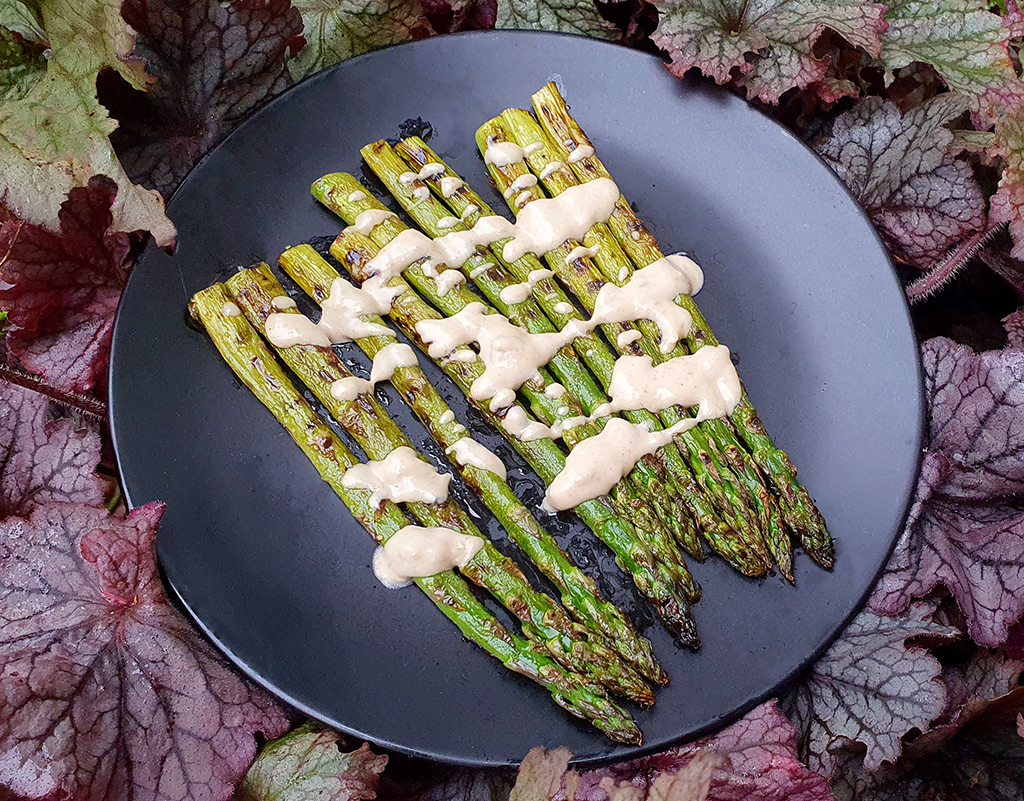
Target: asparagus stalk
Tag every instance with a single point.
(647, 475)
(574, 645)
(746, 553)
(797, 507)
(255, 366)
(737, 470)
(336, 191)
(354, 251)
(579, 594)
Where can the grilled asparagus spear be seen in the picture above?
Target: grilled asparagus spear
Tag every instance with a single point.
(250, 360)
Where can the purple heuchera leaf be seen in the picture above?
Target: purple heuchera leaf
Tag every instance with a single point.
(871, 688)
(769, 44)
(65, 287)
(966, 526)
(43, 460)
(213, 63)
(982, 761)
(1014, 324)
(305, 764)
(902, 168)
(755, 759)
(1008, 201)
(107, 693)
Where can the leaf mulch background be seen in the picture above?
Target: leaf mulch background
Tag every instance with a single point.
(107, 692)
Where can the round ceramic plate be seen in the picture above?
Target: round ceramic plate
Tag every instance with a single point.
(270, 563)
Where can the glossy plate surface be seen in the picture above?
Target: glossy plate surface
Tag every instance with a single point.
(268, 560)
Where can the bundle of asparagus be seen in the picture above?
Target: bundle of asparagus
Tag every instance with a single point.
(560, 306)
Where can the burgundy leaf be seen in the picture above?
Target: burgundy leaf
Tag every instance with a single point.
(903, 170)
(870, 688)
(64, 288)
(43, 460)
(983, 761)
(1008, 201)
(966, 526)
(971, 687)
(306, 764)
(213, 62)
(107, 693)
(771, 44)
(759, 763)
(1014, 324)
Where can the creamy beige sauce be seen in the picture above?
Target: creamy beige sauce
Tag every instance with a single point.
(554, 391)
(367, 220)
(478, 271)
(550, 169)
(501, 154)
(580, 252)
(467, 451)
(349, 388)
(390, 358)
(517, 293)
(356, 196)
(407, 178)
(650, 294)
(580, 152)
(463, 355)
(516, 423)
(533, 147)
(707, 379)
(283, 302)
(623, 274)
(448, 222)
(511, 355)
(524, 181)
(598, 463)
(626, 337)
(450, 185)
(563, 307)
(421, 193)
(430, 170)
(285, 330)
(447, 417)
(420, 551)
(502, 399)
(546, 223)
(402, 476)
(230, 309)
(341, 312)
(472, 208)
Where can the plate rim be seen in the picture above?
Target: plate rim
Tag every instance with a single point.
(720, 721)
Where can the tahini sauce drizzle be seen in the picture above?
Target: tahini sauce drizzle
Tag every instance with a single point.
(450, 185)
(390, 358)
(419, 551)
(402, 476)
(501, 154)
(706, 379)
(517, 293)
(367, 220)
(650, 294)
(596, 464)
(342, 309)
(511, 355)
(468, 451)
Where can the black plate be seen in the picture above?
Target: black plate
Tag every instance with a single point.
(269, 561)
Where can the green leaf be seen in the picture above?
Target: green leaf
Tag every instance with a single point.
(961, 39)
(770, 44)
(1007, 205)
(21, 65)
(339, 29)
(19, 18)
(55, 136)
(567, 16)
(306, 765)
